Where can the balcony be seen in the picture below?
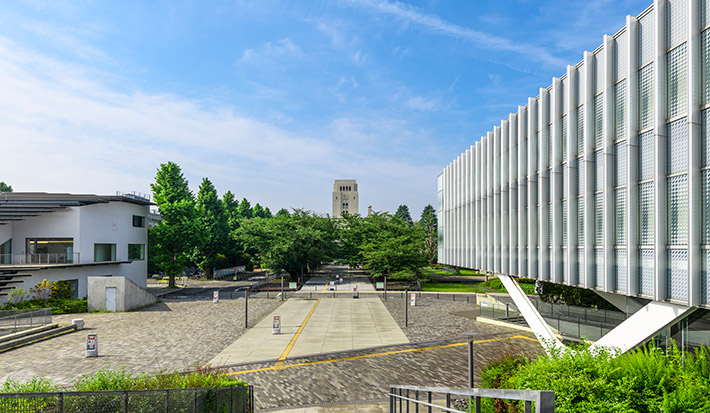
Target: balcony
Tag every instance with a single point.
(56, 258)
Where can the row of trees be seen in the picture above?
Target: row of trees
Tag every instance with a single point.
(208, 232)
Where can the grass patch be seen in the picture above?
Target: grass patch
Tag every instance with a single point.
(495, 284)
(451, 287)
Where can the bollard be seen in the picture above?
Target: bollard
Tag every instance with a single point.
(276, 325)
(92, 345)
(79, 323)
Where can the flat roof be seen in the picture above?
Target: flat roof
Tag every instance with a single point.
(16, 206)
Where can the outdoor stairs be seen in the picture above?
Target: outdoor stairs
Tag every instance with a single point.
(33, 335)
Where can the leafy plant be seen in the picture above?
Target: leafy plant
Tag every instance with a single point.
(18, 295)
(42, 291)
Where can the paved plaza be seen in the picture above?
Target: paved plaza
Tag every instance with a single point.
(331, 352)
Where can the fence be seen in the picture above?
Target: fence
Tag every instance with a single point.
(570, 321)
(402, 396)
(12, 321)
(216, 399)
(43, 258)
(239, 273)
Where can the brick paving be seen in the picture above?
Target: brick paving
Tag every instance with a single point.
(168, 336)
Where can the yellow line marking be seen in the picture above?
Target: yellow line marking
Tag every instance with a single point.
(278, 366)
(325, 286)
(288, 349)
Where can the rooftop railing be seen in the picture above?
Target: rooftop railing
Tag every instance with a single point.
(402, 396)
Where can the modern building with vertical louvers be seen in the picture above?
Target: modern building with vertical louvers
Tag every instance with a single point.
(602, 181)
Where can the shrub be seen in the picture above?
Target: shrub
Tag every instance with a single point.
(18, 295)
(61, 289)
(42, 291)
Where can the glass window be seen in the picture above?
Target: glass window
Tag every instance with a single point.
(646, 285)
(620, 216)
(580, 130)
(677, 146)
(705, 191)
(622, 56)
(620, 109)
(580, 221)
(620, 155)
(677, 26)
(599, 71)
(705, 136)
(580, 176)
(580, 85)
(677, 81)
(705, 65)
(599, 267)
(104, 252)
(564, 222)
(678, 210)
(646, 208)
(564, 139)
(136, 252)
(138, 221)
(678, 274)
(598, 120)
(50, 250)
(621, 283)
(580, 265)
(599, 219)
(599, 170)
(646, 38)
(646, 156)
(646, 90)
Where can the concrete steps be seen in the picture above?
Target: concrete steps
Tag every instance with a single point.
(23, 338)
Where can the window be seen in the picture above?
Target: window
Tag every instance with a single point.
(136, 252)
(138, 221)
(646, 97)
(50, 250)
(104, 252)
(677, 82)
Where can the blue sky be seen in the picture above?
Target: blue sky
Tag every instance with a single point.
(273, 100)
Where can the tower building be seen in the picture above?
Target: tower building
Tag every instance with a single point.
(345, 197)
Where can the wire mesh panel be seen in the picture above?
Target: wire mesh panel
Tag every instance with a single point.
(565, 272)
(677, 81)
(564, 222)
(580, 176)
(646, 38)
(580, 265)
(678, 274)
(705, 64)
(599, 219)
(620, 161)
(620, 202)
(564, 176)
(599, 170)
(564, 90)
(677, 22)
(621, 272)
(705, 285)
(620, 109)
(646, 97)
(646, 278)
(705, 137)
(598, 120)
(705, 13)
(580, 130)
(599, 72)
(580, 221)
(93, 402)
(599, 267)
(705, 194)
(677, 146)
(564, 138)
(523, 158)
(622, 56)
(678, 210)
(646, 156)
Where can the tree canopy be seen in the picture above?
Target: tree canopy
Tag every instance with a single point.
(403, 214)
(5, 187)
(429, 224)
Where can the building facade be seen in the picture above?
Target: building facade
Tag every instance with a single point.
(71, 237)
(602, 181)
(345, 197)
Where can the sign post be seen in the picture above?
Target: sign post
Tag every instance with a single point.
(92, 345)
(292, 286)
(406, 309)
(413, 299)
(276, 325)
(215, 296)
(246, 308)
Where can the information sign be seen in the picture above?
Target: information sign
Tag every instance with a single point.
(215, 297)
(380, 285)
(413, 299)
(292, 285)
(276, 325)
(92, 345)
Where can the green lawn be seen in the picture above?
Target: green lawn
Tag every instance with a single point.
(442, 272)
(497, 286)
(451, 287)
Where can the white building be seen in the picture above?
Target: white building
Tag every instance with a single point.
(345, 197)
(602, 181)
(71, 237)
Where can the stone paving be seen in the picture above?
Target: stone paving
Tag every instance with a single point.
(169, 335)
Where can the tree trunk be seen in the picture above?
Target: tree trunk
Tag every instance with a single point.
(171, 281)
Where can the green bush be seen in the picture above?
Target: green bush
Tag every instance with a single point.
(645, 380)
(58, 306)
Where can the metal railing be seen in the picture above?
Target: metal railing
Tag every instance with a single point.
(46, 258)
(12, 321)
(214, 399)
(401, 397)
(238, 272)
(570, 321)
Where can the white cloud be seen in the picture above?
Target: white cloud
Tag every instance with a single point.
(284, 47)
(422, 104)
(64, 129)
(412, 15)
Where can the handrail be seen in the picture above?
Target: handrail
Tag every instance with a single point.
(544, 399)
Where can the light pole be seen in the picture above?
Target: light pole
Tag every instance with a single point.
(385, 288)
(282, 287)
(406, 308)
(470, 337)
(246, 308)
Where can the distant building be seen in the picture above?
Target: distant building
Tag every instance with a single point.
(345, 197)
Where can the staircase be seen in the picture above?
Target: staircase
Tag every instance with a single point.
(33, 335)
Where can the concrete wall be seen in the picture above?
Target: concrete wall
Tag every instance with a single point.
(129, 296)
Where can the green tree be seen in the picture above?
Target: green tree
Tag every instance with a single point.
(403, 214)
(244, 209)
(213, 229)
(5, 187)
(289, 243)
(257, 211)
(429, 224)
(233, 248)
(174, 237)
(282, 212)
(267, 213)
